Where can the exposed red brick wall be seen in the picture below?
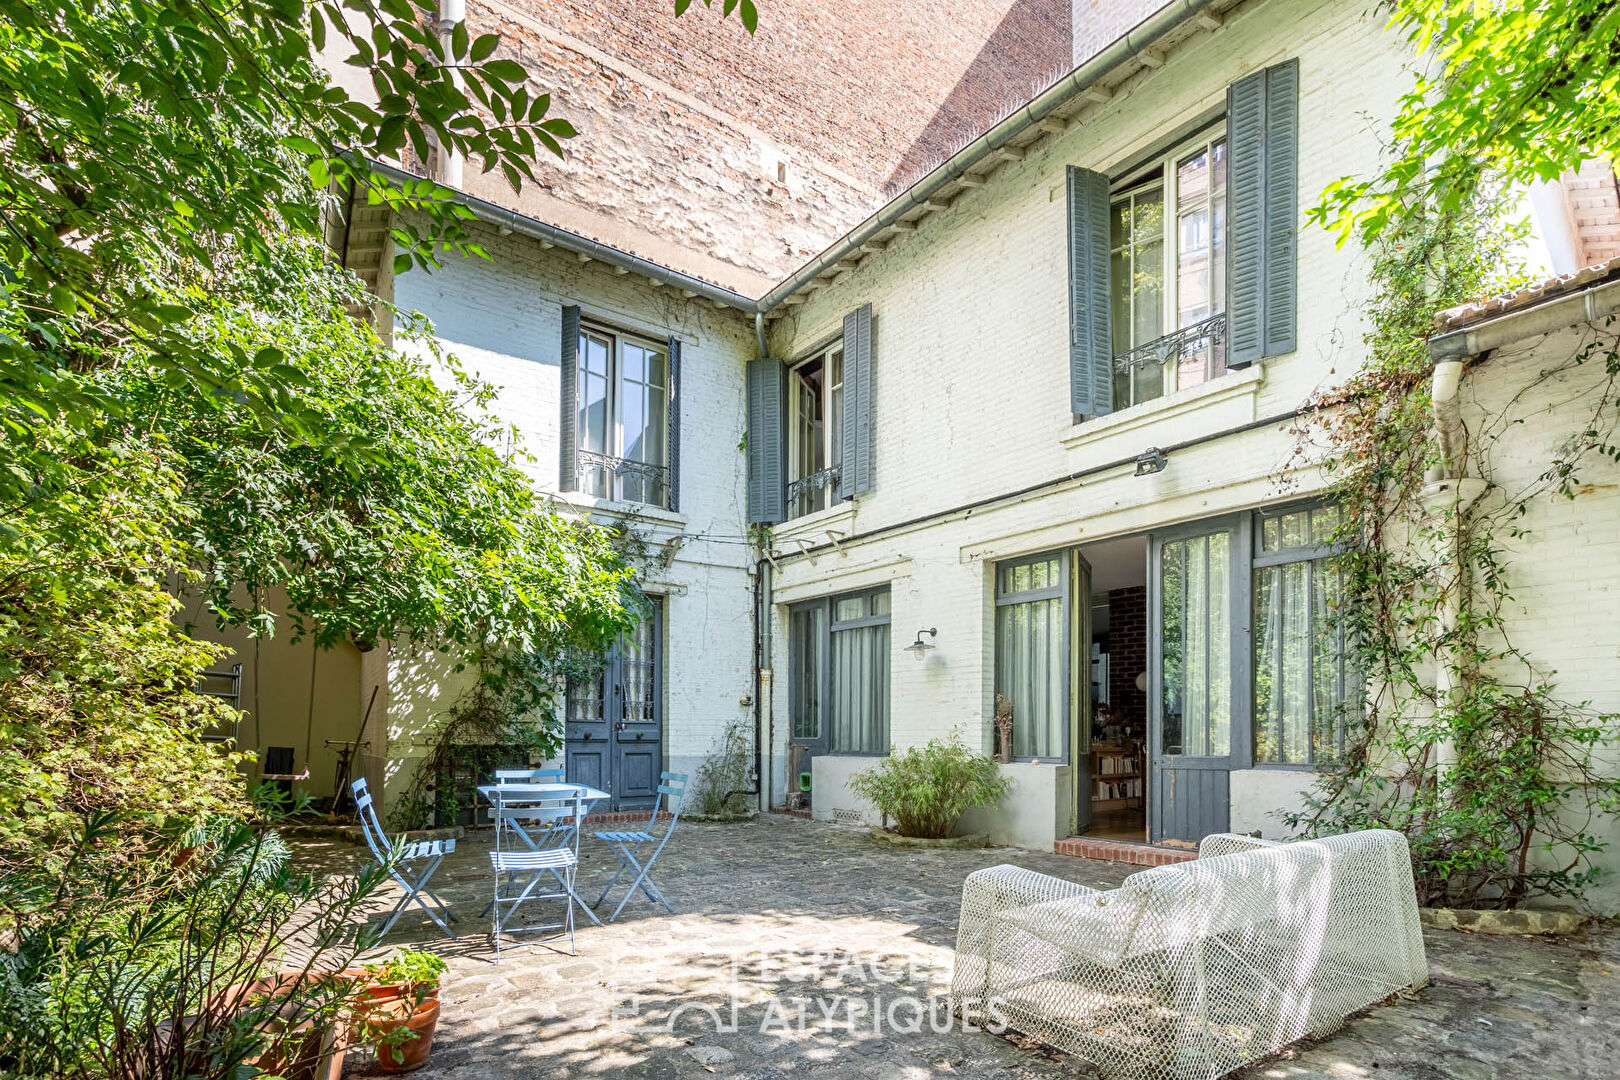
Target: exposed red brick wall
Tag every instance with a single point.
(674, 115)
(1127, 656)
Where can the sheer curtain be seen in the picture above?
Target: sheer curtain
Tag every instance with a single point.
(860, 679)
(1029, 663)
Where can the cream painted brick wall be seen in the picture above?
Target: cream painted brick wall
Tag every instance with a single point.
(502, 318)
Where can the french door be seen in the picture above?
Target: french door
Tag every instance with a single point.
(1198, 715)
(615, 733)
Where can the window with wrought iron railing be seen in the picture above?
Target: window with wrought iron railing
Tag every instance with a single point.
(1168, 272)
(816, 408)
(622, 424)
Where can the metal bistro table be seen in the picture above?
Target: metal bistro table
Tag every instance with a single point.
(499, 795)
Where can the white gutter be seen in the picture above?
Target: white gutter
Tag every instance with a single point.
(1133, 44)
(1585, 305)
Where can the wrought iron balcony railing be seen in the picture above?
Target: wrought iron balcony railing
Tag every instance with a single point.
(622, 478)
(804, 494)
(1187, 342)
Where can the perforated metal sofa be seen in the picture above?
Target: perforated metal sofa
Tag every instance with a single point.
(1186, 972)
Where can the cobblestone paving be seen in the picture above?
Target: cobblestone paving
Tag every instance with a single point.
(801, 918)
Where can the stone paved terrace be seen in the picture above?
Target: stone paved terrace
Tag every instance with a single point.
(817, 912)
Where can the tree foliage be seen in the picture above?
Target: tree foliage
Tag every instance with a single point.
(1513, 91)
(185, 402)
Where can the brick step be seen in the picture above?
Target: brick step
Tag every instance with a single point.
(1122, 851)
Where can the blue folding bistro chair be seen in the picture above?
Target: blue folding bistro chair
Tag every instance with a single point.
(552, 836)
(527, 866)
(415, 883)
(627, 845)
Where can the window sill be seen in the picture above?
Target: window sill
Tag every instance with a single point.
(1234, 386)
(618, 508)
(816, 523)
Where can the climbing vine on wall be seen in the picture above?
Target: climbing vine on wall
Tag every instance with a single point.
(1462, 741)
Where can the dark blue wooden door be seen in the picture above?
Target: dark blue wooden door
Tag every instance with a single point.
(614, 733)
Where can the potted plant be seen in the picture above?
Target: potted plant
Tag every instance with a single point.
(408, 973)
(399, 1009)
(926, 789)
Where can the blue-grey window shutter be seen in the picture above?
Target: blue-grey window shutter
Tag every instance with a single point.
(1282, 207)
(856, 437)
(767, 462)
(674, 426)
(1262, 120)
(1091, 345)
(568, 401)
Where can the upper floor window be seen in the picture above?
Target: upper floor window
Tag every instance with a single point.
(1186, 265)
(1167, 272)
(815, 437)
(623, 417)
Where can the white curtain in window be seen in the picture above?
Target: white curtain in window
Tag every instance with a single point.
(1029, 673)
(860, 688)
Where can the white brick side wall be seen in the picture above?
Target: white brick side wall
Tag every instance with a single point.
(502, 318)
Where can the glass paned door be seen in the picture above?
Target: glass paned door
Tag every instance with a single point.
(615, 734)
(1196, 664)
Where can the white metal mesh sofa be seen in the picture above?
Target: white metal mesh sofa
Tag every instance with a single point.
(1188, 971)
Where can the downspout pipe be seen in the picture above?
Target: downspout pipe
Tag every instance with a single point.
(1449, 431)
(763, 733)
(1146, 34)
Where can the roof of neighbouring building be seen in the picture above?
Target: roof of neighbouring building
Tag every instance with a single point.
(1465, 315)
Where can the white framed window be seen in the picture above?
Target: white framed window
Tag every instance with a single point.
(1167, 271)
(1034, 616)
(623, 418)
(815, 434)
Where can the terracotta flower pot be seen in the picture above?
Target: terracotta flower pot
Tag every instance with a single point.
(388, 1015)
(376, 991)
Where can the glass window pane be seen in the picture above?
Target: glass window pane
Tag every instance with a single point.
(1119, 224)
(880, 603)
(850, 607)
(1119, 282)
(1147, 292)
(1029, 674)
(1173, 601)
(1267, 644)
(1195, 655)
(860, 678)
(1324, 524)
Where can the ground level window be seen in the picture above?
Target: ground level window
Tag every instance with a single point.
(1303, 687)
(1032, 650)
(839, 672)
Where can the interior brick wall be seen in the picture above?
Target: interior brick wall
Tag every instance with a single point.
(1127, 656)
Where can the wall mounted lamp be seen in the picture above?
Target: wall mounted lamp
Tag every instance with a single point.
(1150, 461)
(918, 647)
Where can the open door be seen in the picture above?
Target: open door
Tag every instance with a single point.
(1080, 693)
(1198, 631)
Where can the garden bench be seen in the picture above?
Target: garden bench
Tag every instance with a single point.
(1188, 971)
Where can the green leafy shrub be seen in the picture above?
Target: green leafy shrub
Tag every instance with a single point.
(199, 953)
(926, 789)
